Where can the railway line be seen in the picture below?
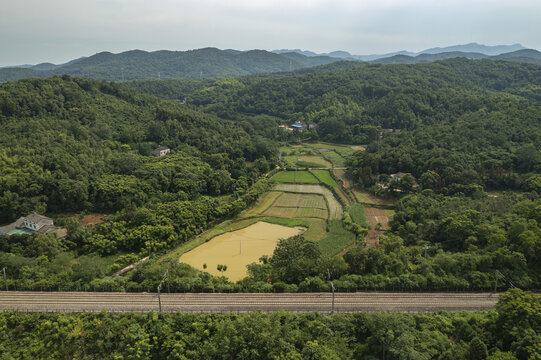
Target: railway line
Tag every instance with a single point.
(240, 303)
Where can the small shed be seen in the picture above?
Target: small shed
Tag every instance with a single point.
(161, 151)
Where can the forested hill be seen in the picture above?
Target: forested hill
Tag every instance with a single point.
(478, 119)
(70, 144)
(194, 64)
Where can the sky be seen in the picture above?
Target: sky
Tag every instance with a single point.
(36, 31)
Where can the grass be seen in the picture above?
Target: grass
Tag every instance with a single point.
(317, 228)
(307, 164)
(356, 211)
(336, 240)
(325, 177)
(321, 162)
(389, 212)
(262, 204)
(303, 177)
(364, 197)
(335, 158)
(367, 198)
(288, 222)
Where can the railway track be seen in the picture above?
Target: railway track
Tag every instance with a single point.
(240, 303)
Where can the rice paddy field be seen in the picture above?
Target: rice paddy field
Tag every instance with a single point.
(325, 177)
(303, 177)
(335, 209)
(298, 203)
(238, 248)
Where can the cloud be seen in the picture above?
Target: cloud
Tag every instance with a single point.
(33, 31)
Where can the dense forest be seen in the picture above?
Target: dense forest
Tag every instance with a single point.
(466, 133)
(75, 145)
(509, 332)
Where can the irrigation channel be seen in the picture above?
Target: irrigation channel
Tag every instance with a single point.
(74, 302)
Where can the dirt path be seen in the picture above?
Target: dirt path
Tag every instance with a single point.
(341, 173)
(374, 216)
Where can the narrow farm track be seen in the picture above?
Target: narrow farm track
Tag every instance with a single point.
(239, 303)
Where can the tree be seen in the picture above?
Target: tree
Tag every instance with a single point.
(478, 349)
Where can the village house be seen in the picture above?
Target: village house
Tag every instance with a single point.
(161, 151)
(33, 223)
(299, 125)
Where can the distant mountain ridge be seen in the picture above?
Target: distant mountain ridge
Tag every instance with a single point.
(163, 64)
(216, 63)
(525, 56)
(467, 48)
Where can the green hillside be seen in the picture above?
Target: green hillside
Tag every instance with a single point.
(193, 64)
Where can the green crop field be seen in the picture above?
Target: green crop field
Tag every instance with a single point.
(356, 211)
(317, 229)
(337, 239)
(262, 204)
(316, 160)
(303, 177)
(335, 158)
(311, 213)
(312, 201)
(287, 212)
(325, 177)
(288, 222)
(288, 200)
(301, 200)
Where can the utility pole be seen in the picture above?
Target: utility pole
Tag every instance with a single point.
(496, 282)
(332, 289)
(5, 278)
(165, 275)
(159, 299)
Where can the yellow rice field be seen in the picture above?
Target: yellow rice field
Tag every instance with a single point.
(238, 248)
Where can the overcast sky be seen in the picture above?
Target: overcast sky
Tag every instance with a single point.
(35, 31)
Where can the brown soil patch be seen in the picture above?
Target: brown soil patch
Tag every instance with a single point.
(343, 196)
(341, 173)
(358, 147)
(324, 150)
(93, 219)
(374, 216)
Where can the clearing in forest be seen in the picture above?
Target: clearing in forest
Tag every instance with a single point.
(379, 221)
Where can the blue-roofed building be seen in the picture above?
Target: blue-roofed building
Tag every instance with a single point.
(299, 125)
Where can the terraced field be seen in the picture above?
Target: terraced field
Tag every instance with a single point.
(295, 177)
(301, 200)
(262, 204)
(335, 209)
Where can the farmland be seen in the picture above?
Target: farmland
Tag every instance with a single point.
(302, 177)
(335, 209)
(237, 249)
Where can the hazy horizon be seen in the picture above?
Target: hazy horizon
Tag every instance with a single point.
(34, 32)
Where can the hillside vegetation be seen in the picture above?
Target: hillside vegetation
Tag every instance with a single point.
(193, 64)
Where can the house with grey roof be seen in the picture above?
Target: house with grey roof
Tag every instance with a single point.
(32, 223)
(161, 151)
